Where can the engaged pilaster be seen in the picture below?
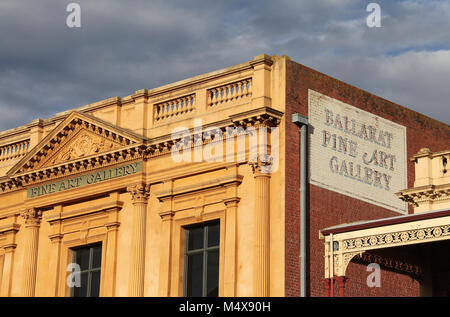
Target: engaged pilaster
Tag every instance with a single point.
(139, 194)
(32, 219)
(261, 172)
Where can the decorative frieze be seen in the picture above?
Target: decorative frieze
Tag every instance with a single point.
(389, 263)
(348, 248)
(84, 180)
(401, 237)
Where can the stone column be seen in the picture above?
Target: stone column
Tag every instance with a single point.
(5, 287)
(111, 259)
(139, 194)
(262, 228)
(54, 266)
(165, 270)
(32, 222)
(230, 267)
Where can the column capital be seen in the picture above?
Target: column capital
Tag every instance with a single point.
(262, 166)
(31, 216)
(139, 192)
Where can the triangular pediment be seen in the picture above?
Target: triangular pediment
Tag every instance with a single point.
(78, 137)
(83, 143)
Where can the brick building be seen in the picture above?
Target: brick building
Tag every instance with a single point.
(202, 188)
(327, 207)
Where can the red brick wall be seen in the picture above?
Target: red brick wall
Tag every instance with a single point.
(327, 208)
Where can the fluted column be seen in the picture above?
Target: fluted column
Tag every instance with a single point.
(166, 250)
(5, 287)
(230, 267)
(139, 194)
(262, 228)
(32, 222)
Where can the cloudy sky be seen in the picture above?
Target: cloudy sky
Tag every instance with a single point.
(123, 46)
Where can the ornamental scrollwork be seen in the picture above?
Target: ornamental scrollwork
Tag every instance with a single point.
(31, 216)
(139, 192)
(397, 237)
(84, 146)
(263, 164)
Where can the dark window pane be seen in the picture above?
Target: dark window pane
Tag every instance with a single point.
(97, 256)
(95, 284)
(82, 258)
(213, 274)
(89, 259)
(81, 291)
(195, 238)
(195, 275)
(213, 235)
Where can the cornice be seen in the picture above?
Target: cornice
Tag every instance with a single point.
(266, 116)
(206, 185)
(109, 206)
(426, 152)
(416, 195)
(12, 227)
(137, 148)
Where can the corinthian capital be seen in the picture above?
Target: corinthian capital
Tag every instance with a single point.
(31, 216)
(139, 192)
(263, 164)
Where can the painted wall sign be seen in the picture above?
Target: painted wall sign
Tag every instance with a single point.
(357, 153)
(86, 179)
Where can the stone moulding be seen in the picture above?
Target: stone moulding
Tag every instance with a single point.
(417, 195)
(110, 206)
(33, 168)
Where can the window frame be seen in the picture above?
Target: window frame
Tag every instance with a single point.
(205, 250)
(89, 270)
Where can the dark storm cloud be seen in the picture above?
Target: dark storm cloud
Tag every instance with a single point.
(123, 46)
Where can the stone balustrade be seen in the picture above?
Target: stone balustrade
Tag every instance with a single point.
(174, 108)
(236, 91)
(14, 150)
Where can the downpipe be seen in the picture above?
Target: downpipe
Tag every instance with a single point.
(302, 123)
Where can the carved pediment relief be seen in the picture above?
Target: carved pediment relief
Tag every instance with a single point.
(78, 137)
(83, 144)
